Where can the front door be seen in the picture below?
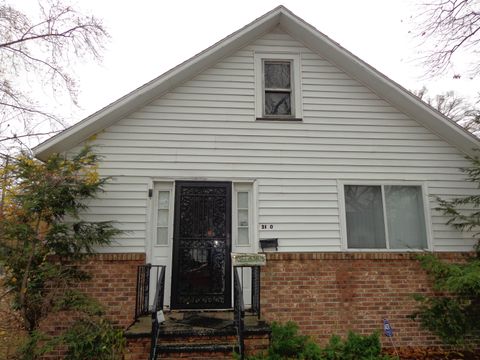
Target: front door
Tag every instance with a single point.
(201, 276)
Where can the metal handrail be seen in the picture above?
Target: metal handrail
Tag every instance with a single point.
(157, 306)
(238, 303)
(239, 312)
(143, 290)
(256, 290)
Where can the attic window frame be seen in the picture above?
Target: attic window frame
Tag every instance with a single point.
(260, 90)
(275, 90)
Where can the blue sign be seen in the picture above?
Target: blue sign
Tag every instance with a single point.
(387, 329)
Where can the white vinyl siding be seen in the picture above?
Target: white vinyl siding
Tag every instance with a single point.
(206, 129)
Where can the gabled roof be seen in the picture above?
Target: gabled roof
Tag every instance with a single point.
(387, 89)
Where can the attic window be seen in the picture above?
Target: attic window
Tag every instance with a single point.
(277, 93)
(277, 88)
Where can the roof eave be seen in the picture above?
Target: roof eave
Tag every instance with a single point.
(141, 96)
(386, 88)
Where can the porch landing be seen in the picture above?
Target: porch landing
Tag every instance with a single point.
(198, 334)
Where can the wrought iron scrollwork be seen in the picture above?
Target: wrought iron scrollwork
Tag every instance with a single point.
(202, 244)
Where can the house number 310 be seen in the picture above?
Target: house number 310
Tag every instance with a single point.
(266, 227)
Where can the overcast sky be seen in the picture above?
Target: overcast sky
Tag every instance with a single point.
(149, 37)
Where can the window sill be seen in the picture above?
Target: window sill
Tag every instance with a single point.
(283, 119)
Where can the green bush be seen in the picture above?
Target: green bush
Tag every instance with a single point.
(354, 347)
(286, 343)
(453, 314)
(90, 339)
(43, 239)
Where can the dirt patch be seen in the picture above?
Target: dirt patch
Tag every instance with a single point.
(11, 331)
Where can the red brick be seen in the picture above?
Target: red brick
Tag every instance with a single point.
(117, 296)
(332, 293)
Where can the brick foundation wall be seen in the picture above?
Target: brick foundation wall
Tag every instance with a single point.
(325, 293)
(137, 349)
(331, 293)
(113, 283)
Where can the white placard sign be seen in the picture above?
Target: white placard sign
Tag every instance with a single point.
(248, 259)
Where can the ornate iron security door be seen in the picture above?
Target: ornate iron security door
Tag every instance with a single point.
(201, 277)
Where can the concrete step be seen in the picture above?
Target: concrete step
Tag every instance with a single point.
(195, 338)
(197, 335)
(196, 348)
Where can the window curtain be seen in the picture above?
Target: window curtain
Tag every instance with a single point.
(364, 215)
(405, 217)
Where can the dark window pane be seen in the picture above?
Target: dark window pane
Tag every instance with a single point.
(364, 213)
(277, 75)
(277, 103)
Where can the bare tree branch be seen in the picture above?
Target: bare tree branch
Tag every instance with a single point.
(455, 107)
(15, 137)
(41, 50)
(449, 29)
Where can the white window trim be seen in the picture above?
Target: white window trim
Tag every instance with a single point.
(296, 91)
(248, 188)
(343, 220)
(158, 187)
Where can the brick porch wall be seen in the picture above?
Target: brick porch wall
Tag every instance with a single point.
(331, 293)
(113, 283)
(325, 293)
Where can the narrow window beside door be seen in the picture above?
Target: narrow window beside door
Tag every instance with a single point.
(242, 224)
(242, 218)
(162, 217)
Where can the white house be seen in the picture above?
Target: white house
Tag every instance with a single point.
(276, 132)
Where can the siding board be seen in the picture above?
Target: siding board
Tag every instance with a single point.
(331, 138)
(335, 147)
(243, 174)
(262, 128)
(273, 154)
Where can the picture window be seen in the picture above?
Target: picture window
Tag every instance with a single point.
(385, 217)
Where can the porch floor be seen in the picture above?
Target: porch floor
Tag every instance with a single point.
(196, 323)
